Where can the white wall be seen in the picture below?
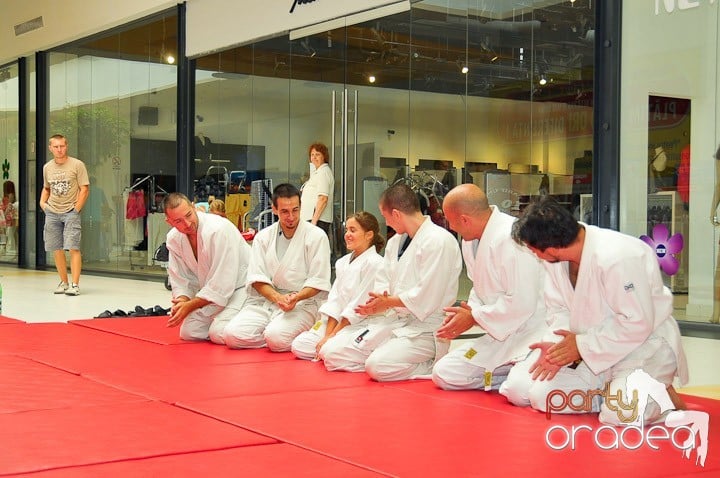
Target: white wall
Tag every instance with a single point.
(65, 21)
(214, 25)
(671, 54)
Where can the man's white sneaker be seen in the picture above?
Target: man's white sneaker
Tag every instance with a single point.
(73, 290)
(61, 288)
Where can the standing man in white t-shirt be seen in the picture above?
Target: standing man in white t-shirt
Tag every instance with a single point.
(66, 187)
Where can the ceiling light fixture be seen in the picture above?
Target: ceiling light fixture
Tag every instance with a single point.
(170, 59)
(371, 78)
(493, 59)
(543, 80)
(464, 69)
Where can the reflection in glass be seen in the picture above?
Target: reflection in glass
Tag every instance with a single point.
(668, 183)
(114, 98)
(9, 138)
(447, 91)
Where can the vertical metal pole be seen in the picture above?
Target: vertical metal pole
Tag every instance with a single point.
(606, 114)
(355, 150)
(345, 152)
(185, 132)
(42, 110)
(24, 197)
(332, 129)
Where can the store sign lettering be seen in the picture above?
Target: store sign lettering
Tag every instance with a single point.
(671, 5)
(299, 2)
(554, 124)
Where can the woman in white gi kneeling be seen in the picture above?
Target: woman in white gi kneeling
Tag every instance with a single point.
(356, 275)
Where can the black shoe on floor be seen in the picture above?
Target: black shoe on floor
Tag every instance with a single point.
(157, 310)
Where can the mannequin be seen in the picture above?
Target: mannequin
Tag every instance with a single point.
(658, 164)
(9, 209)
(715, 220)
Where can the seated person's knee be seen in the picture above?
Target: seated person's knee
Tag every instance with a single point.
(186, 333)
(385, 371)
(303, 349)
(217, 335)
(516, 388)
(441, 377)
(243, 337)
(277, 341)
(538, 395)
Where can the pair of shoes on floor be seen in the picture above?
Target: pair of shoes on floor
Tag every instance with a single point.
(106, 314)
(67, 289)
(150, 312)
(139, 311)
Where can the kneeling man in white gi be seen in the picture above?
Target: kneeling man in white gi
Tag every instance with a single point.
(422, 267)
(207, 269)
(288, 279)
(606, 291)
(506, 298)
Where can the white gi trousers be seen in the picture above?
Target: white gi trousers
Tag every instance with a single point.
(207, 323)
(305, 345)
(656, 357)
(349, 349)
(261, 323)
(456, 370)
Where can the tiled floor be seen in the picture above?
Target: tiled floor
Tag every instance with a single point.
(27, 295)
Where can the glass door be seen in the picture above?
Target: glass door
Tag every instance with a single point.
(349, 90)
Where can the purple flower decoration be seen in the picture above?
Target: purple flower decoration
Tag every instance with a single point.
(665, 248)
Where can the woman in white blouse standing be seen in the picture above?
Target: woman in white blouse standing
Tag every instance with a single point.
(316, 202)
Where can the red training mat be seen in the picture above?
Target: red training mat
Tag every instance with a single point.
(266, 460)
(8, 320)
(82, 349)
(187, 383)
(28, 385)
(151, 329)
(46, 439)
(409, 434)
(75, 349)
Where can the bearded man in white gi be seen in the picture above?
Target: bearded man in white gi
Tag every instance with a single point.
(288, 279)
(506, 299)
(606, 291)
(422, 265)
(207, 269)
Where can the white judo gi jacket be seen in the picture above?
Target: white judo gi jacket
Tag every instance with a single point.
(425, 277)
(619, 299)
(506, 298)
(220, 270)
(306, 262)
(353, 283)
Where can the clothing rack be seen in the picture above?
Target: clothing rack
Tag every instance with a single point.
(430, 192)
(152, 190)
(151, 205)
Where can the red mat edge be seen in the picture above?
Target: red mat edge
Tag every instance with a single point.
(188, 407)
(85, 323)
(4, 319)
(138, 458)
(127, 390)
(278, 442)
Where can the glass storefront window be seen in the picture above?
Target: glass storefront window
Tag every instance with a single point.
(114, 97)
(669, 139)
(445, 93)
(447, 90)
(9, 151)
